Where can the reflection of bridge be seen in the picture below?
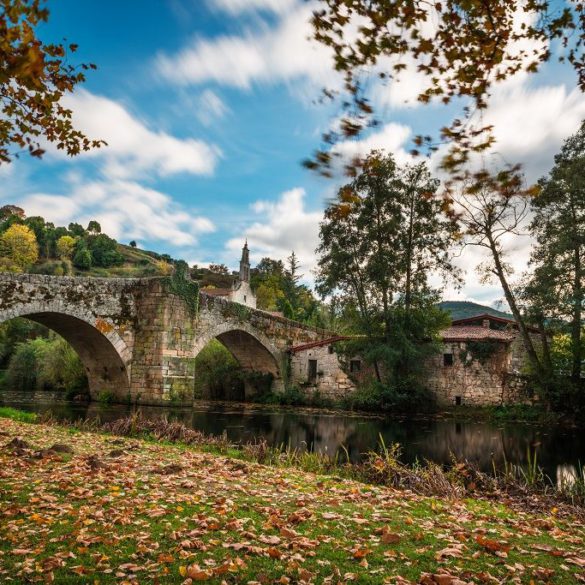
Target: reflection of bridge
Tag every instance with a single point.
(135, 337)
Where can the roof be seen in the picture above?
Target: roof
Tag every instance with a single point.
(319, 343)
(489, 317)
(471, 333)
(217, 292)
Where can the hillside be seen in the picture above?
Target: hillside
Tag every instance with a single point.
(135, 263)
(463, 309)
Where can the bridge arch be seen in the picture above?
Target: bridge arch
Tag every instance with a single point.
(104, 354)
(250, 347)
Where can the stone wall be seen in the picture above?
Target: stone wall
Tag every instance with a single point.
(331, 380)
(467, 381)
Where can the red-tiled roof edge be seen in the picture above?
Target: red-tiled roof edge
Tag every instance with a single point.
(457, 322)
(319, 343)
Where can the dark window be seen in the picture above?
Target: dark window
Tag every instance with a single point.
(331, 349)
(312, 371)
(355, 365)
(457, 400)
(447, 359)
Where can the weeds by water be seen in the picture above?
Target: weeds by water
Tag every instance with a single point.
(381, 466)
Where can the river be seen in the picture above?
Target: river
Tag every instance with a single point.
(560, 451)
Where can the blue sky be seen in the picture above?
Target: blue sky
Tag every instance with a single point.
(208, 107)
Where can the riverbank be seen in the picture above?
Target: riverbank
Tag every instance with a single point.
(105, 509)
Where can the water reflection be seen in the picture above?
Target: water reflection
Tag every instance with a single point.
(558, 450)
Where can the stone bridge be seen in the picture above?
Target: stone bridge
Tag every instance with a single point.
(137, 339)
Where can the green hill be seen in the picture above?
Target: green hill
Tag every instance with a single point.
(464, 309)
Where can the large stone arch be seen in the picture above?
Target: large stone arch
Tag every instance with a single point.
(252, 349)
(104, 354)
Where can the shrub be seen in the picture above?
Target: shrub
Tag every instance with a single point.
(82, 258)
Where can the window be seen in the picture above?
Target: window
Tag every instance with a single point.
(331, 349)
(447, 359)
(458, 401)
(355, 366)
(312, 371)
(245, 298)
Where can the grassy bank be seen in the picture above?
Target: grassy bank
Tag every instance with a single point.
(103, 509)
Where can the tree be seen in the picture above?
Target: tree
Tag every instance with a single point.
(104, 251)
(293, 268)
(219, 269)
(380, 239)
(459, 49)
(133, 245)
(93, 227)
(82, 258)
(35, 77)
(7, 211)
(559, 255)
(65, 246)
(490, 212)
(19, 244)
(77, 230)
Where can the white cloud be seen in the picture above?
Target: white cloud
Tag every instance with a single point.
(210, 107)
(237, 7)
(134, 149)
(261, 55)
(390, 138)
(125, 210)
(530, 125)
(285, 225)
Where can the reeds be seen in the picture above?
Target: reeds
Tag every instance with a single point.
(381, 466)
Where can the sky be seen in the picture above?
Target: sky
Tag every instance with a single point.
(208, 108)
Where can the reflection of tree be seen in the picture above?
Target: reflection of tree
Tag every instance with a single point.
(559, 450)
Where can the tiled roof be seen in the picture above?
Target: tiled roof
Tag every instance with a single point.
(493, 319)
(319, 343)
(460, 333)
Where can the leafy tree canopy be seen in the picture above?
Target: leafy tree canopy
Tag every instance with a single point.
(34, 77)
(460, 49)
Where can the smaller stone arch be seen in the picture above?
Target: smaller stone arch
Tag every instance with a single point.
(251, 348)
(104, 354)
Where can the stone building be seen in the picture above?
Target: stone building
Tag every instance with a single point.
(241, 291)
(482, 362)
(316, 368)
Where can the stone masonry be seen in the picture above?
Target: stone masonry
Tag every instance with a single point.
(138, 341)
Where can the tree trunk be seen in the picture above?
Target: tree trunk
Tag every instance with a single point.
(526, 340)
(576, 322)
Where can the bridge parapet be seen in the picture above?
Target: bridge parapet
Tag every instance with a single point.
(137, 339)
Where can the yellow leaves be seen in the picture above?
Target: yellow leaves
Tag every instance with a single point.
(196, 573)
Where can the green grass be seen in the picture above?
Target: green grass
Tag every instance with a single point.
(18, 415)
(124, 520)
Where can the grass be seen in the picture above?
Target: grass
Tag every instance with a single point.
(17, 415)
(217, 519)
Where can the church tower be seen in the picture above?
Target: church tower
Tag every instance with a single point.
(245, 264)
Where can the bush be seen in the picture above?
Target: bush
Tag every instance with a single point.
(46, 364)
(82, 259)
(406, 396)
